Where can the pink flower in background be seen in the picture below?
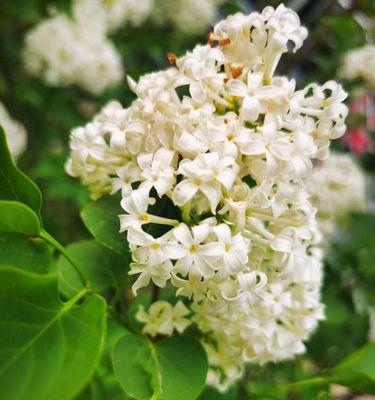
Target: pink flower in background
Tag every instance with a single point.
(371, 121)
(359, 105)
(358, 141)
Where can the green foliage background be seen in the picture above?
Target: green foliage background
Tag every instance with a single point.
(50, 113)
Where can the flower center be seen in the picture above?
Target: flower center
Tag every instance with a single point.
(193, 248)
(144, 218)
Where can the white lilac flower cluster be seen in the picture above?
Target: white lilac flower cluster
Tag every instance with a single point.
(187, 16)
(14, 131)
(360, 64)
(337, 186)
(65, 52)
(222, 170)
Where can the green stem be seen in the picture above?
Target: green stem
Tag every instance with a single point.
(51, 240)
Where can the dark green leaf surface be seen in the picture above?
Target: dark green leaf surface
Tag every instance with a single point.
(48, 349)
(16, 217)
(25, 252)
(174, 368)
(14, 184)
(101, 219)
(103, 268)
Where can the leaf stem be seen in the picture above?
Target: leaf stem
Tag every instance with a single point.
(51, 240)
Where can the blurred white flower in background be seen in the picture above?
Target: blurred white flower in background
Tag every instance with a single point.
(360, 64)
(15, 133)
(337, 187)
(217, 177)
(75, 50)
(110, 15)
(187, 16)
(63, 52)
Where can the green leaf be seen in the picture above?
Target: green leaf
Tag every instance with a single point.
(48, 349)
(103, 268)
(104, 384)
(14, 184)
(357, 371)
(25, 252)
(101, 219)
(16, 217)
(174, 368)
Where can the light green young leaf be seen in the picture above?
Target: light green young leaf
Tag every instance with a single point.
(16, 217)
(101, 219)
(25, 252)
(104, 268)
(14, 184)
(48, 349)
(174, 368)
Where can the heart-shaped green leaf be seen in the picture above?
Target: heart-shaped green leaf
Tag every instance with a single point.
(48, 349)
(101, 219)
(16, 217)
(25, 252)
(173, 368)
(104, 268)
(14, 184)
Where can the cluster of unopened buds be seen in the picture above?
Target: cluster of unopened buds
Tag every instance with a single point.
(211, 160)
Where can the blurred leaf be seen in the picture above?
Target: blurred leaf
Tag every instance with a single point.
(103, 268)
(101, 219)
(14, 185)
(30, 253)
(212, 394)
(357, 371)
(174, 368)
(55, 182)
(49, 349)
(16, 217)
(340, 319)
(362, 231)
